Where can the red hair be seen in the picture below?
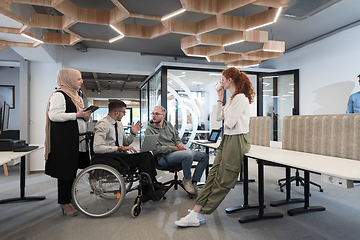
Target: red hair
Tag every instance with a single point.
(241, 81)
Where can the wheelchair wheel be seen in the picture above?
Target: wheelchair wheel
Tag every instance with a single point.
(136, 210)
(98, 190)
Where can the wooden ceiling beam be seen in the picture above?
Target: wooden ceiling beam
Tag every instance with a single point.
(116, 15)
(189, 41)
(232, 22)
(137, 31)
(2, 47)
(207, 25)
(5, 3)
(46, 3)
(225, 57)
(182, 27)
(261, 19)
(271, 3)
(274, 46)
(10, 30)
(17, 44)
(46, 21)
(57, 38)
(210, 39)
(142, 16)
(203, 6)
(158, 30)
(256, 36)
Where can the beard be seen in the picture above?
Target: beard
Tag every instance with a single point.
(156, 122)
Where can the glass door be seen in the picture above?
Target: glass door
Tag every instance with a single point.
(279, 98)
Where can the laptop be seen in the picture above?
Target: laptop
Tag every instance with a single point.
(149, 143)
(213, 137)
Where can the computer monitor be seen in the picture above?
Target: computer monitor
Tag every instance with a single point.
(5, 117)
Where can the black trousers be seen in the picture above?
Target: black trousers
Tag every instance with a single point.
(64, 191)
(144, 161)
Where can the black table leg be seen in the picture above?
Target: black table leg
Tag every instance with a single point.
(306, 207)
(288, 199)
(201, 184)
(22, 197)
(261, 215)
(245, 189)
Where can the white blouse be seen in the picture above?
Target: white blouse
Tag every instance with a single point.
(57, 114)
(236, 115)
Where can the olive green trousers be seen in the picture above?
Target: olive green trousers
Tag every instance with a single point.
(224, 172)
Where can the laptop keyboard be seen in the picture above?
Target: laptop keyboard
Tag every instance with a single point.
(25, 149)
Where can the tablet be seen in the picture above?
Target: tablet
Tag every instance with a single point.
(92, 108)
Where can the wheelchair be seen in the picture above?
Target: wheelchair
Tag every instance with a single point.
(100, 189)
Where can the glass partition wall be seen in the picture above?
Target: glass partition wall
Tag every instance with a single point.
(189, 96)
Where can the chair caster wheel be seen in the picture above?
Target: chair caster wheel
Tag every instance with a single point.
(190, 196)
(281, 190)
(164, 198)
(321, 190)
(136, 210)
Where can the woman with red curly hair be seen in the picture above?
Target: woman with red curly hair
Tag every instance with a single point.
(230, 154)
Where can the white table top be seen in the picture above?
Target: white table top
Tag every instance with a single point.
(210, 145)
(201, 131)
(333, 166)
(8, 156)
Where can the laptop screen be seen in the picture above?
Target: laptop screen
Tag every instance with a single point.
(214, 135)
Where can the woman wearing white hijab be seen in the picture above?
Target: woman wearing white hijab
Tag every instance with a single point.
(65, 119)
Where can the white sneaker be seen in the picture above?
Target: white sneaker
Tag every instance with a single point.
(191, 220)
(201, 218)
(197, 190)
(188, 186)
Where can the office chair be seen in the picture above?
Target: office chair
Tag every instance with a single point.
(173, 168)
(298, 180)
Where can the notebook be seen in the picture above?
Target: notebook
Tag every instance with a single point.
(213, 137)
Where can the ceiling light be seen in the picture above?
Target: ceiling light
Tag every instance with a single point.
(25, 35)
(271, 77)
(197, 83)
(173, 14)
(116, 38)
(277, 14)
(276, 18)
(251, 66)
(215, 74)
(228, 44)
(183, 73)
(181, 76)
(116, 29)
(259, 26)
(270, 50)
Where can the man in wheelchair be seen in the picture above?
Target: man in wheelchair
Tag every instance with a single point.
(111, 147)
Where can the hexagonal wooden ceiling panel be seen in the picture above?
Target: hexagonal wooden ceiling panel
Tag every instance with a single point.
(215, 29)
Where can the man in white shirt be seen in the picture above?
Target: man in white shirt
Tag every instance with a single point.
(111, 143)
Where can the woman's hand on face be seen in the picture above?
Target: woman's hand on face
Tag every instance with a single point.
(84, 114)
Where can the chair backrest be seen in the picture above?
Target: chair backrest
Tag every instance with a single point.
(259, 131)
(336, 135)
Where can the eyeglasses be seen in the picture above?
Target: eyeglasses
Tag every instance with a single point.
(124, 112)
(157, 114)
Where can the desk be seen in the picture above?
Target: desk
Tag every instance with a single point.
(7, 157)
(339, 167)
(207, 147)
